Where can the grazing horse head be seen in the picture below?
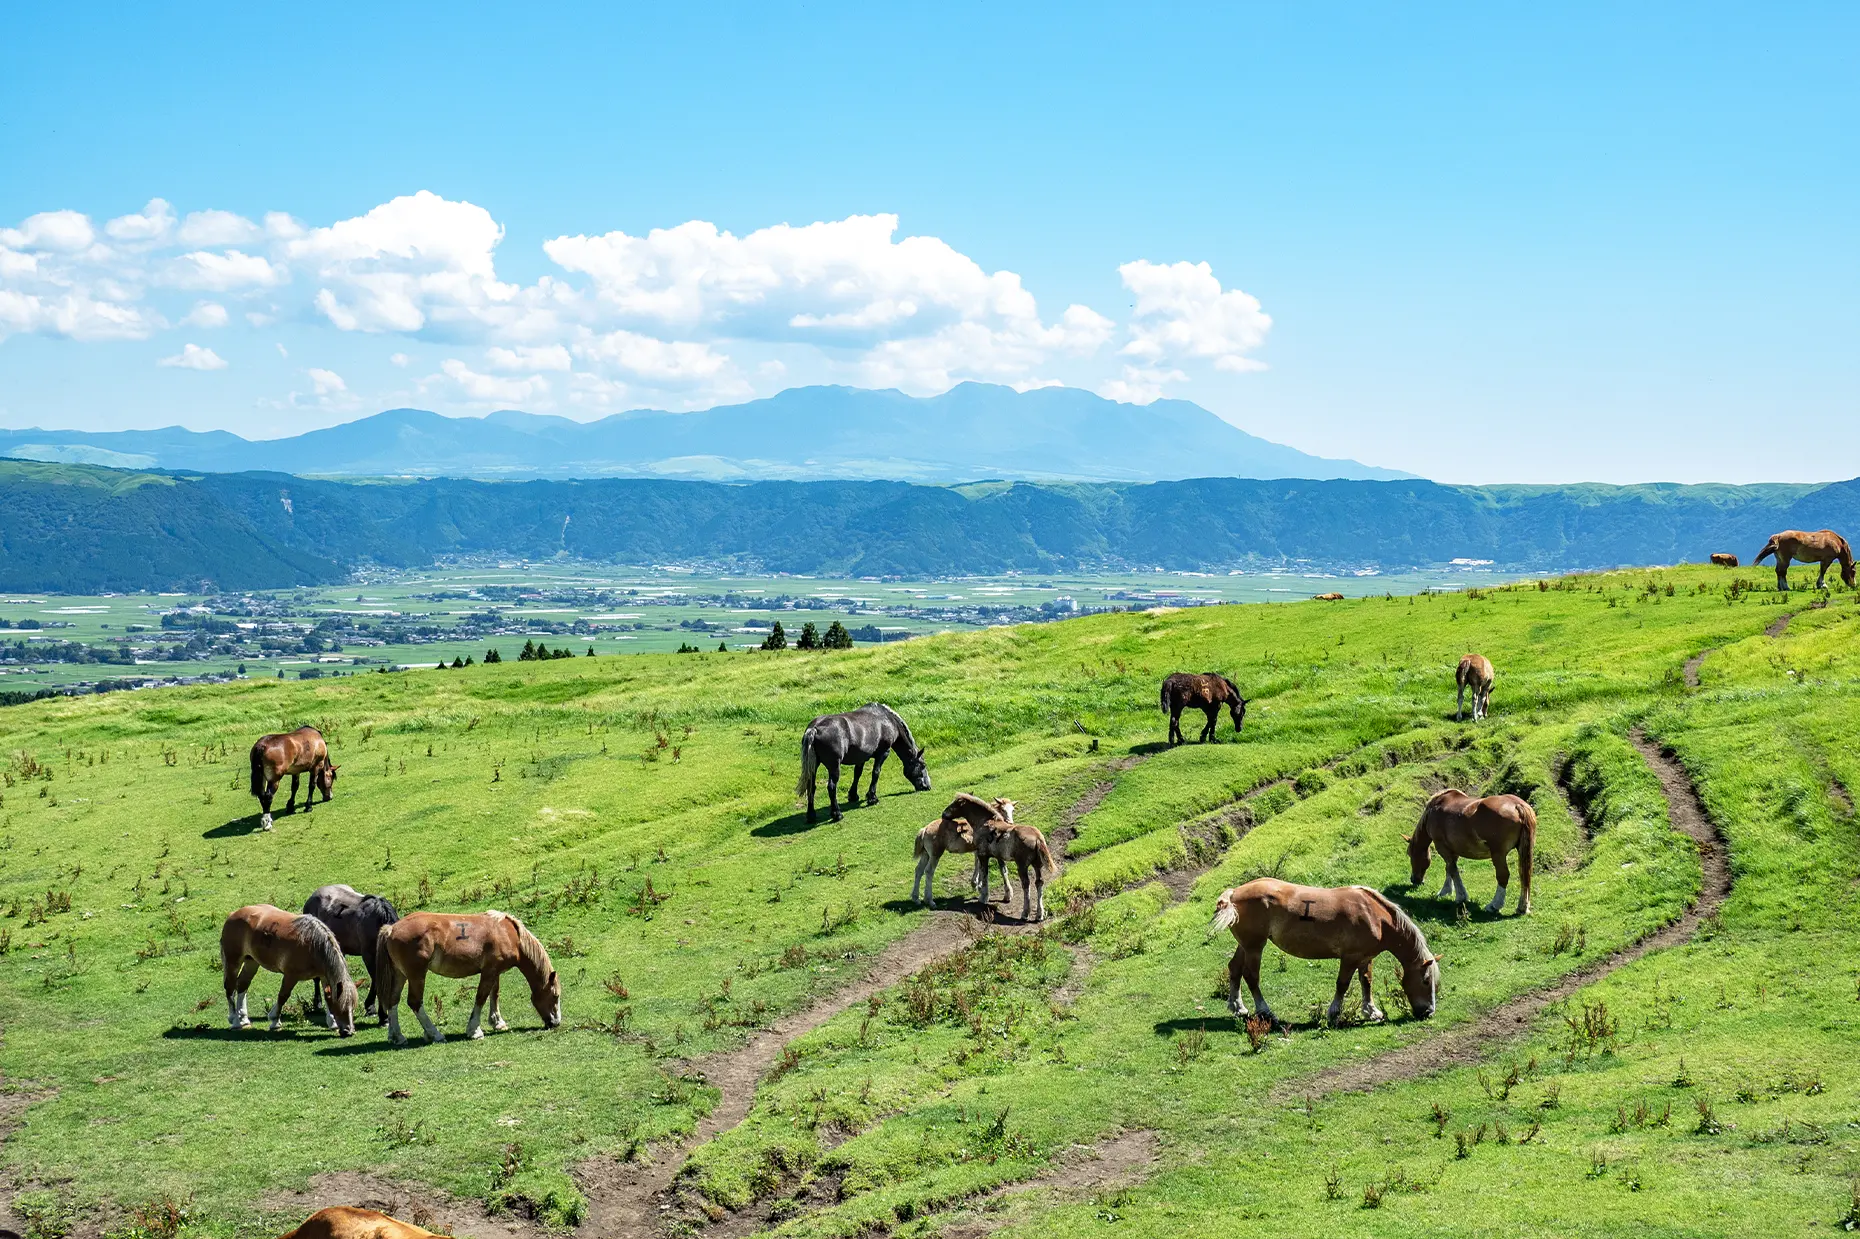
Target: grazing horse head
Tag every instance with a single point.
(325, 777)
(545, 985)
(1236, 708)
(342, 998)
(1421, 984)
(1846, 556)
(1419, 857)
(914, 768)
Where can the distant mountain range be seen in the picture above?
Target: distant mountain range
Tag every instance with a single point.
(974, 431)
(86, 529)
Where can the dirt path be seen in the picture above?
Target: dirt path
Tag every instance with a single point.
(1472, 1043)
(1121, 1161)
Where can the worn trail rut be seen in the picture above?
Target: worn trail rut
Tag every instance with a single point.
(1469, 1044)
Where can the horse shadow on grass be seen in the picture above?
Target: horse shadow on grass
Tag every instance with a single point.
(257, 1032)
(251, 824)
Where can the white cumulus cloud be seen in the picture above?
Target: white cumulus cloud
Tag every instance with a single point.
(206, 314)
(154, 223)
(206, 229)
(1183, 315)
(327, 382)
(522, 357)
(492, 389)
(193, 357)
(224, 272)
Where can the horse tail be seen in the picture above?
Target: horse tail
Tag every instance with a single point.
(1048, 864)
(258, 770)
(1769, 548)
(1165, 696)
(809, 763)
(1226, 911)
(388, 976)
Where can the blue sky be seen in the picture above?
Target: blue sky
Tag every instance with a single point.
(1481, 243)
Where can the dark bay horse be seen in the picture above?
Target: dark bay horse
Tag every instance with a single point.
(1350, 924)
(356, 920)
(485, 945)
(295, 753)
(1823, 547)
(858, 736)
(1207, 692)
(1457, 825)
(300, 947)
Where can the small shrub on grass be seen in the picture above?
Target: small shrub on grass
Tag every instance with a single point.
(1708, 1124)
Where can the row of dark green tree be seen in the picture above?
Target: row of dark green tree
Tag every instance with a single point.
(835, 638)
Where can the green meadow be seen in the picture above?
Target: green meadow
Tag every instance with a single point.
(639, 814)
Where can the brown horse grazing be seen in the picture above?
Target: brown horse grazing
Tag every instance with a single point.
(461, 944)
(1475, 673)
(1351, 924)
(1823, 547)
(300, 947)
(294, 753)
(1327, 597)
(954, 832)
(1026, 847)
(1724, 559)
(1207, 692)
(348, 1222)
(1459, 825)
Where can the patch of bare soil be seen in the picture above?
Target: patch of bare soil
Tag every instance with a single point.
(1462, 1046)
(1695, 662)
(1843, 801)
(1779, 625)
(1584, 836)
(410, 1202)
(13, 1105)
(1084, 1172)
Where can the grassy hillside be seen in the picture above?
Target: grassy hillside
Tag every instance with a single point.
(639, 813)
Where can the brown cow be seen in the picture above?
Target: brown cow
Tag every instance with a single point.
(1724, 559)
(295, 753)
(1823, 547)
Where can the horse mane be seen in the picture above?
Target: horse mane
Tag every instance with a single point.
(535, 956)
(380, 905)
(322, 945)
(1403, 922)
(904, 729)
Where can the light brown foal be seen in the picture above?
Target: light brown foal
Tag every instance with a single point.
(954, 832)
(1475, 673)
(299, 947)
(1460, 825)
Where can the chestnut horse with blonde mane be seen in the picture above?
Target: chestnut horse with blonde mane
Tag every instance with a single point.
(954, 832)
(1823, 547)
(1350, 924)
(300, 947)
(295, 753)
(1460, 825)
(350, 1222)
(461, 944)
(1027, 848)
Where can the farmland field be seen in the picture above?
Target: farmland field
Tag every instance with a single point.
(761, 1032)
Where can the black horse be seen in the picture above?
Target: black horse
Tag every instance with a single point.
(1207, 692)
(355, 919)
(858, 736)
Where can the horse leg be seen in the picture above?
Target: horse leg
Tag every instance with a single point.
(317, 1010)
(390, 1001)
(1175, 724)
(290, 804)
(1459, 704)
(1249, 971)
(1447, 862)
(1235, 975)
(852, 796)
(284, 993)
(1782, 572)
(487, 981)
(871, 788)
(1459, 883)
(1504, 879)
(1039, 893)
(497, 1015)
(1213, 711)
(1026, 891)
(1371, 1011)
(810, 797)
(833, 788)
(248, 972)
(235, 1013)
(1345, 971)
(1525, 846)
(416, 998)
(978, 877)
(1823, 574)
(264, 801)
(1485, 701)
(924, 863)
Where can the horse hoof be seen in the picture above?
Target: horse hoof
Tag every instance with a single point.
(264, 823)
(437, 1039)
(500, 1026)
(476, 1034)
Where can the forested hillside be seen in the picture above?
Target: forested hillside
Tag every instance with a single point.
(84, 528)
